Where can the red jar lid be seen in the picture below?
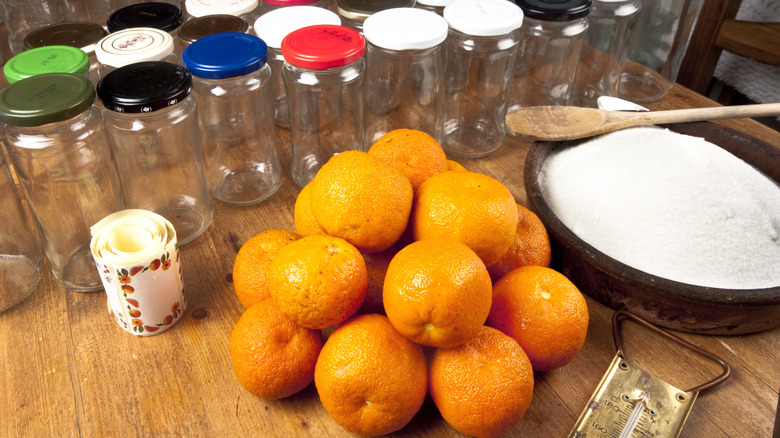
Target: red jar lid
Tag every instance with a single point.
(323, 46)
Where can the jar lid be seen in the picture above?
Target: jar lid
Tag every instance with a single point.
(484, 17)
(163, 16)
(274, 25)
(79, 34)
(202, 8)
(47, 59)
(225, 55)
(45, 98)
(134, 45)
(144, 87)
(197, 28)
(437, 3)
(323, 46)
(289, 2)
(361, 9)
(555, 10)
(405, 29)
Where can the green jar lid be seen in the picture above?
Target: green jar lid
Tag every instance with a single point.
(48, 59)
(46, 98)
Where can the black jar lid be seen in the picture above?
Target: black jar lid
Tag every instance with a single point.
(196, 28)
(79, 34)
(163, 16)
(554, 10)
(144, 87)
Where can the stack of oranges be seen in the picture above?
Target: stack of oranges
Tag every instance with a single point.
(403, 252)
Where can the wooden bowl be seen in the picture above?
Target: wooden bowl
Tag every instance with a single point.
(667, 303)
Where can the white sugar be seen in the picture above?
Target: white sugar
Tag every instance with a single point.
(672, 205)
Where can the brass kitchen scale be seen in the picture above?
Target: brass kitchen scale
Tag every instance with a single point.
(630, 402)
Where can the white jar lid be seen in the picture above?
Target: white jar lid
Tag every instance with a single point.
(201, 8)
(484, 17)
(133, 45)
(436, 3)
(274, 25)
(405, 29)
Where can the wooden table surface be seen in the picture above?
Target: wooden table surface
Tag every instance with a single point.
(69, 370)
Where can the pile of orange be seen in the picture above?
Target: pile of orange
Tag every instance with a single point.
(399, 249)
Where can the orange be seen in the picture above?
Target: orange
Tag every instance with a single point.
(484, 387)
(454, 165)
(437, 292)
(305, 223)
(361, 199)
(414, 153)
(318, 281)
(468, 207)
(250, 269)
(544, 312)
(376, 265)
(272, 357)
(530, 245)
(370, 379)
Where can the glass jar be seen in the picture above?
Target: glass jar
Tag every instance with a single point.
(49, 59)
(152, 122)
(232, 84)
(267, 6)
(323, 74)
(433, 5)
(23, 16)
(134, 45)
(480, 50)
(20, 254)
(79, 34)
(553, 34)
(604, 54)
(404, 72)
(197, 28)
(659, 41)
(272, 27)
(56, 140)
(354, 12)
(248, 10)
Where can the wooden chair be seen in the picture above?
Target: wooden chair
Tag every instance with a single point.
(717, 30)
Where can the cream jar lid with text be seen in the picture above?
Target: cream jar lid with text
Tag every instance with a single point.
(134, 45)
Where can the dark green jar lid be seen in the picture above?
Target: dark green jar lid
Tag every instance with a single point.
(46, 98)
(79, 34)
(48, 59)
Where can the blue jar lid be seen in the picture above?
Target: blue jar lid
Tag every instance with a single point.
(225, 55)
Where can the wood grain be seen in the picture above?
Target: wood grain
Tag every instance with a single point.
(69, 370)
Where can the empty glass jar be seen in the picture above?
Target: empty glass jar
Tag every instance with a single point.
(272, 27)
(354, 12)
(232, 84)
(553, 34)
(480, 52)
(404, 72)
(323, 74)
(152, 122)
(20, 255)
(56, 140)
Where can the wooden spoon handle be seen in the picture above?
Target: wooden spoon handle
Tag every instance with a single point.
(695, 114)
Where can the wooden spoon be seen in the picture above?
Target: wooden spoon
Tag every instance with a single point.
(557, 123)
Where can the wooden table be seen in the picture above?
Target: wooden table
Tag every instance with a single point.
(69, 370)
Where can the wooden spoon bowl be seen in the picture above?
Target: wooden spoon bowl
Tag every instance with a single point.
(667, 303)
